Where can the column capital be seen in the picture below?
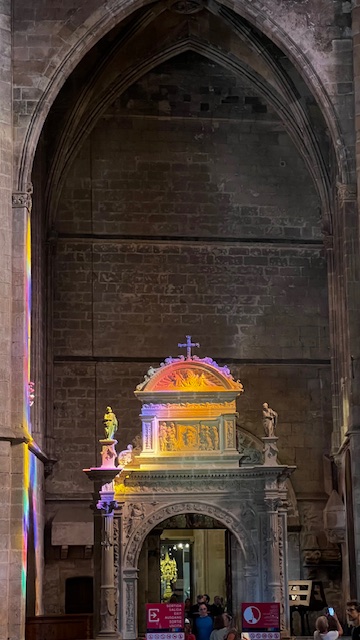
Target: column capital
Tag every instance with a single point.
(346, 192)
(23, 198)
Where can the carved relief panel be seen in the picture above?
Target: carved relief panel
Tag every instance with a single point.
(201, 436)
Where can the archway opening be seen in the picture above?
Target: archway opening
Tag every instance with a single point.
(184, 556)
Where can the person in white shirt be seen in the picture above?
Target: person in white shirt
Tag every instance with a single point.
(322, 629)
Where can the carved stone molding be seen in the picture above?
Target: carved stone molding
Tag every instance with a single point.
(138, 536)
(23, 198)
(346, 192)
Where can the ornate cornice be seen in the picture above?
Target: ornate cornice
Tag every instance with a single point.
(222, 481)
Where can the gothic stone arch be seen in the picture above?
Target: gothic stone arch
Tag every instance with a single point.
(135, 529)
(137, 537)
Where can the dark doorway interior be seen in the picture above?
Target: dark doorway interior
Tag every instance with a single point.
(79, 595)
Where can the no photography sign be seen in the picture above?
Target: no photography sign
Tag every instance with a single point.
(261, 620)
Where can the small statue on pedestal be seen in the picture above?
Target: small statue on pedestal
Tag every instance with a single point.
(269, 420)
(110, 423)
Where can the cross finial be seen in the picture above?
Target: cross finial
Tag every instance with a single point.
(188, 344)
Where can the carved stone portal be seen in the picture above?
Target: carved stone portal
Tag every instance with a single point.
(190, 464)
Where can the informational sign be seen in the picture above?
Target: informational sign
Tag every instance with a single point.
(165, 621)
(261, 620)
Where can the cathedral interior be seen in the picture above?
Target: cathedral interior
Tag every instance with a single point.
(168, 169)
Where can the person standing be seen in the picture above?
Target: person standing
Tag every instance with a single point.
(353, 613)
(203, 624)
(334, 624)
(219, 631)
(323, 632)
(188, 633)
(216, 609)
(194, 609)
(232, 632)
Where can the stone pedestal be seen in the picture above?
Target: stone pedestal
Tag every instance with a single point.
(270, 451)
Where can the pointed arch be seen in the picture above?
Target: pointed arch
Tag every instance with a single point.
(102, 21)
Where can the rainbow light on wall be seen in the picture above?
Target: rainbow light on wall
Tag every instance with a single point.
(30, 480)
(27, 325)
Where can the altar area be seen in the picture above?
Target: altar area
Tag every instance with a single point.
(189, 464)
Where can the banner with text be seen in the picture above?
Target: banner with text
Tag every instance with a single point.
(261, 620)
(165, 621)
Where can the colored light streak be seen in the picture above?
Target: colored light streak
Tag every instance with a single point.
(29, 481)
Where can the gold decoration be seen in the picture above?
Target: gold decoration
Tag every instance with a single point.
(168, 570)
(195, 437)
(190, 380)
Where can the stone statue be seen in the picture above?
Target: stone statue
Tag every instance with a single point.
(110, 423)
(126, 456)
(269, 420)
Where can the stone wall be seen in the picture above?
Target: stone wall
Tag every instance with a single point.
(174, 220)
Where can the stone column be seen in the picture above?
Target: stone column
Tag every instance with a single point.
(354, 431)
(273, 556)
(283, 563)
(335, 332)
(108, 588)
(105, 475)
(18, 419)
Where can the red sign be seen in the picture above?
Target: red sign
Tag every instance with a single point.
(261, 616)
(165, 617)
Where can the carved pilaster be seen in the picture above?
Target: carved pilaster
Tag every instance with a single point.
(108, 587)
(272, 502)
(129, 602)
(283, 570)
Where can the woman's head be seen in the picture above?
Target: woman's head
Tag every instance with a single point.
(227, 619)
(322, 625)
(203, 610)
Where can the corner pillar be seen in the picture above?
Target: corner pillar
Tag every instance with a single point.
(129, 603)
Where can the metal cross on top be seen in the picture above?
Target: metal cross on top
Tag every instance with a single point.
(188, 344)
